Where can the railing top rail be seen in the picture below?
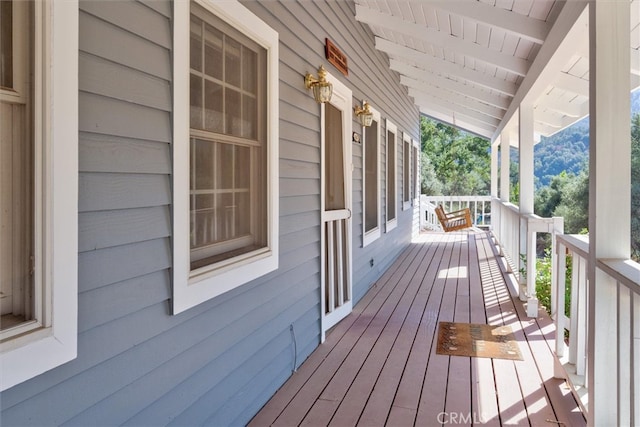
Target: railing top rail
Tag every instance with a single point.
(514, 208)
(625, 271)
(458, 198)
(578, 243)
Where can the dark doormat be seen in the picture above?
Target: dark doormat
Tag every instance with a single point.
(477, 340)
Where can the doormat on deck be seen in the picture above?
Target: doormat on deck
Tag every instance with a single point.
(477, 340)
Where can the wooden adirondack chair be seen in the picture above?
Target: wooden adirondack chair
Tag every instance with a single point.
(456, 220)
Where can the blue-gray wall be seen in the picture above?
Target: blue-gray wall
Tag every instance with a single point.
(219, 362)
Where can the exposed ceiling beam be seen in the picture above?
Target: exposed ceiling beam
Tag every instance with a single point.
(447, 41)
(570, 26)
(422, 98)
(543, 129)
(573, 109)
(443, 66)
(449, 118)
(547, 118)
(580, 86)
(452, 96)
(635, 62)
(514, 23)
(452, 85)
(572, 83)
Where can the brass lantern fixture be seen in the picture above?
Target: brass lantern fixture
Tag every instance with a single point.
(322, 89)
(364, 114)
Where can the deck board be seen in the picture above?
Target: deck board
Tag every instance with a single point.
(379, 365)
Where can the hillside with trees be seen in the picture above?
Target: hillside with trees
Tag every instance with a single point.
(455, 162)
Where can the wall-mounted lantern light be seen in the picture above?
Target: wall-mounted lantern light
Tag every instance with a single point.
(322, 89)
(364, 114)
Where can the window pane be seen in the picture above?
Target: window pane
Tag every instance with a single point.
(213, 52)
(232, 62)
(250, 64)
(195, 96)
(334, 166)
(391, 176)
(225, 166)
(371, 177)
(242, 174)
(6, 44)
(249, 117)
(213, 107)
(243, 219)
(195, 52)
(203, 156)
(226, 211)
(233, 109)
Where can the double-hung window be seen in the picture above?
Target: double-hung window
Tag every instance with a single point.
(371, 193)
(392, 173)
(39, 182)
(225, 150)
(406, 171)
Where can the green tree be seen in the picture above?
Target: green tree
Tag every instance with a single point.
(574, 204)
(548, 198)
(635, 187)
(458, 162)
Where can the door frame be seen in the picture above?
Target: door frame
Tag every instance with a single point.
(341, 99)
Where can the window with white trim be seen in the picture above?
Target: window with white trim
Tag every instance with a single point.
(225, 150)
(406, 171)
(392, 173)
(371, 180)
(39, 181)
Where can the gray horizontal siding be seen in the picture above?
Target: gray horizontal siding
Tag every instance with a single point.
(218, 362)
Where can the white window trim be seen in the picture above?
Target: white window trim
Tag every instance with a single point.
(188, 290)
(416, 179)
(53, 340)
(390, 225)
(374, 234)
(406, 204)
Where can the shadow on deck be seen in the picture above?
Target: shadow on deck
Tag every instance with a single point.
(379, 365)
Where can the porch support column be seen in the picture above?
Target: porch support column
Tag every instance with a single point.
(494, 167)
(504, 166)
(609, 198)
(527, 237)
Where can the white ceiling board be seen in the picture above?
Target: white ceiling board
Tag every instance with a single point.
(447, 42)
(478, 117)
(514, 23)
(451, 85)
(448, 117)
(444, 67)
(454, 97)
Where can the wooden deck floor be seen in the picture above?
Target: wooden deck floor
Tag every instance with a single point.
(379, 365)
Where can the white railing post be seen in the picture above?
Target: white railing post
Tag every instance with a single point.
(557, 300)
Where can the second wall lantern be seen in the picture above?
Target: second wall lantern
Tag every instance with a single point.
(364, 114)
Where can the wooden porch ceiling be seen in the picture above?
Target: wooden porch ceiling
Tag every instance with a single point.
(471, 62)
(379, 366)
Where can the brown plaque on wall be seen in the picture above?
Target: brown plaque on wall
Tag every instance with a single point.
(336, 57)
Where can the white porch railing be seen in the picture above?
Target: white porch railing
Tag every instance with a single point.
(623, 279)
(480, 207)
(517, 235)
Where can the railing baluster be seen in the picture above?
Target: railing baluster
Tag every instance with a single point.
(331, 272)
(581, 323)
(625, 344)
